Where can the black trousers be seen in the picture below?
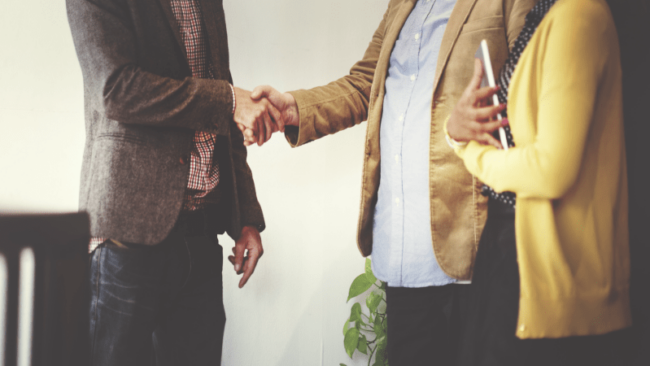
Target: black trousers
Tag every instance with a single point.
(424, 324)
(158, 305)
(489, 335)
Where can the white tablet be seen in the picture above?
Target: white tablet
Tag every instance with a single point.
(488, 80)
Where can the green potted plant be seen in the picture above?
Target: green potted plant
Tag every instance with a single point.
(366, 332)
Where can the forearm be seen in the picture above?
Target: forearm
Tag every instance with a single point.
(329, 109)
(134, 96)
(529, 171)
(341, 104)
(107, 48)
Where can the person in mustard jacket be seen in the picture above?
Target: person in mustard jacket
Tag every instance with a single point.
(553, 260)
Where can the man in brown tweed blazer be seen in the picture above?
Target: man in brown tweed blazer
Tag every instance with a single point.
(164, 171)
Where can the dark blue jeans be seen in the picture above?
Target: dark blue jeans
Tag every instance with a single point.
(157, 305)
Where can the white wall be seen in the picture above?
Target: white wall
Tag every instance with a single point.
(292, 310)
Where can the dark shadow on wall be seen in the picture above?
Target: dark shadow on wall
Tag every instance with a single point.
(632, 18)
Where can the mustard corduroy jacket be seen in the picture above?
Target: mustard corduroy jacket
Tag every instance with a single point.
(458, 210)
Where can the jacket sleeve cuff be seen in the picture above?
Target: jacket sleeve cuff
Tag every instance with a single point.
(226, 104)
(305, 131)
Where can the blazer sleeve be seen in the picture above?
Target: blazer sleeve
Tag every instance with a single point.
(570, 73)
(106, 46)
(340, 104)
(250, 210)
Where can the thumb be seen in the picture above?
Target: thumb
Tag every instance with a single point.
(478, 74)
(261, 91)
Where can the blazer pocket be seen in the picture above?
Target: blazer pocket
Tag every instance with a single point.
(494, 22)
(121, 137)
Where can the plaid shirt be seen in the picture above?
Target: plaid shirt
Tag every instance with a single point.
(204, 171)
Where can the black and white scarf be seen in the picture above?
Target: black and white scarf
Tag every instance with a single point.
(533, 19)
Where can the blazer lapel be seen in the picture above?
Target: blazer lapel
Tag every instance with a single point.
(456, 20)
(214, 22)
(167, 9)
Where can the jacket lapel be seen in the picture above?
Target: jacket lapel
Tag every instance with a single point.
(456, 20)
(167, 9)
(214, 22)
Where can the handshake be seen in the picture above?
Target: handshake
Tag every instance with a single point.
(263, 111)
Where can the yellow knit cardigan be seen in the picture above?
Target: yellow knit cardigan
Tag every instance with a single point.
(569, 172)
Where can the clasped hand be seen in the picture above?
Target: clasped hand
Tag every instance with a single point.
(262, 112)
(472, 117)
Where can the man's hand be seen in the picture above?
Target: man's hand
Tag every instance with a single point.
(285, 103)
(470, 119)
(258, 117)
(248, 241)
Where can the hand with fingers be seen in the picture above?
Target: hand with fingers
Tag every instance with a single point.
(284, 103)
(246, 252)
(259, 117)
(472, 117)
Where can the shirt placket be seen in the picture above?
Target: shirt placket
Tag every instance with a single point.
(414, 32)
(203, 171)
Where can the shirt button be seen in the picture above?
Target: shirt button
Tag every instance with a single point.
(417, 36)
(522, 328)
(397, 158)
(397, 201)
(401, 118)
(413, 77)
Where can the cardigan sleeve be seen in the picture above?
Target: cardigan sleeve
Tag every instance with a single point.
(573, 50)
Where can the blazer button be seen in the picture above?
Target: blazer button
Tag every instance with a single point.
(182, 160)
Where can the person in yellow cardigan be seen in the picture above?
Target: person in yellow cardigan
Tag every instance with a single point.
(553, 259)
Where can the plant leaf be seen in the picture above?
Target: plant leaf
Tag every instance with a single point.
(346, 326)
(369, 275)
(359, 286)
(351, 341)
(355, 312)
(372, 301)
(363, 345)
(369, 302)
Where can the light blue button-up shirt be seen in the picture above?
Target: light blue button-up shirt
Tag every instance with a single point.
(402, 253)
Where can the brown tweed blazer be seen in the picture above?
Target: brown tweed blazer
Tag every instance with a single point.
(141, 108)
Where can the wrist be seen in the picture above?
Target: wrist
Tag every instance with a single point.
(254, 228)
(292, 110)
(234, 98)
(454, 144)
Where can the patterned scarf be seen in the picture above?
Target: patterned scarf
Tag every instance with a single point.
(533, 19)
